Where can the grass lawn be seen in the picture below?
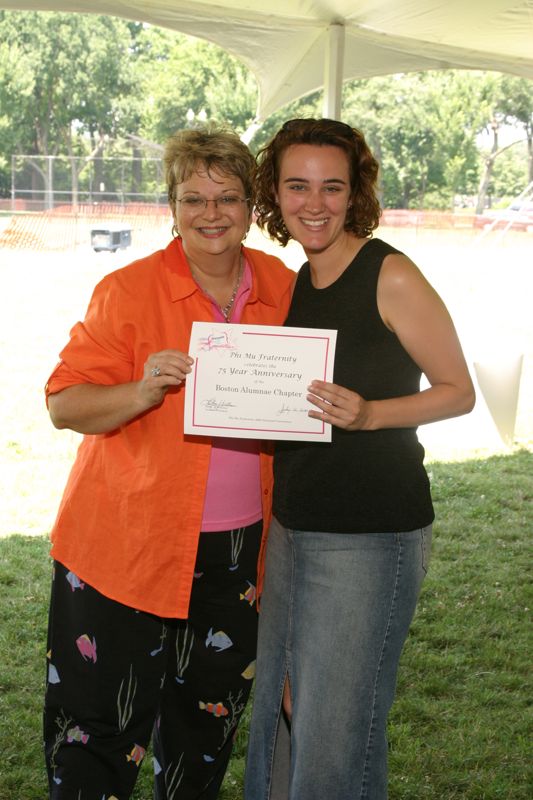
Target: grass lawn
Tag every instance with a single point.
(459, 727)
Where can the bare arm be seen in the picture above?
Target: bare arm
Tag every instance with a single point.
(92, 408)
(411, 308)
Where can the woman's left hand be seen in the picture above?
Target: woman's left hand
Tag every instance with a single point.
(338, 406)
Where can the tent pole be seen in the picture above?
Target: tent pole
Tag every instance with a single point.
(251, 130)
(333, 71)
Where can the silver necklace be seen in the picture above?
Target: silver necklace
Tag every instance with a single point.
(226, 310)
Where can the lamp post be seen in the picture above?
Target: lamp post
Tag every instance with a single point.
(196, 120)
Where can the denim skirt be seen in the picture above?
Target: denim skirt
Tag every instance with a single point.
(334, 616)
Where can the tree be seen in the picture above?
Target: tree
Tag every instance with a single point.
(87, 85)
(71, 70)
(16, 88)
(305, 107)
(507, 101)
(517, 105)
(510, 173)
(178, 74)
(422, 128)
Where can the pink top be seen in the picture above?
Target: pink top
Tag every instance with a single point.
(233, 494)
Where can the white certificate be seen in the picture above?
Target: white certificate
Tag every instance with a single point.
(250, 381)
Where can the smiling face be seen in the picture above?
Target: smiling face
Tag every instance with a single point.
(313, 193)
(215, 228)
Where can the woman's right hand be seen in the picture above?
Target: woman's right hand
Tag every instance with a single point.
(95, 408)
(163, 370)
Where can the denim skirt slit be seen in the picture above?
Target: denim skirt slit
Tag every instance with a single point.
(334, 616)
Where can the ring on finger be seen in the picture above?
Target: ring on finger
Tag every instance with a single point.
(155, 372)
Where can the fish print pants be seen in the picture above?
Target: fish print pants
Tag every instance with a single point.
(117, 676)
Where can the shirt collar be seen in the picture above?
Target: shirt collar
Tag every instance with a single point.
(181, 283)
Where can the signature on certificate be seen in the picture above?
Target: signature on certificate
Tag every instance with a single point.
(292, 409)
(212, 404)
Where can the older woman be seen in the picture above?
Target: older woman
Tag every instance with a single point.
(350, 540)
(152, 622)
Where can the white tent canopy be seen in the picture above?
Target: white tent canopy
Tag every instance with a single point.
(296, 46)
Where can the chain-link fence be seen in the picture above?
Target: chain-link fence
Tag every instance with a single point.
(43, 183)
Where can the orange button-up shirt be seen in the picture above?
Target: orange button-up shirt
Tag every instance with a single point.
(130, 516)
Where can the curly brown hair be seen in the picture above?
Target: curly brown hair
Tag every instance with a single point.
(363, 214)
(209, 147)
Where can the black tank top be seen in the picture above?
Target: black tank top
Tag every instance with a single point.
(361, 481)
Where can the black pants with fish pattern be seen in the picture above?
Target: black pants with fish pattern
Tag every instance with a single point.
(117, 676)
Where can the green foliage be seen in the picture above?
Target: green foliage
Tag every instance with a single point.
(458, 729)
(176, 73)
(517, 102)
(510, 174)
(304, 107)
(70, 82)
(70, 69)
(422, 128)
(62, 77)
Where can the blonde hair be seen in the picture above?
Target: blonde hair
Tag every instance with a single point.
(209, 147)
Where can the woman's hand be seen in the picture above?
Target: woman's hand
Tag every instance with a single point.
(414, 312)
(338, 406)
(162, 371)
(95, 408)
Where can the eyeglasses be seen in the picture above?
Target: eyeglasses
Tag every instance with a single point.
(229, 202)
